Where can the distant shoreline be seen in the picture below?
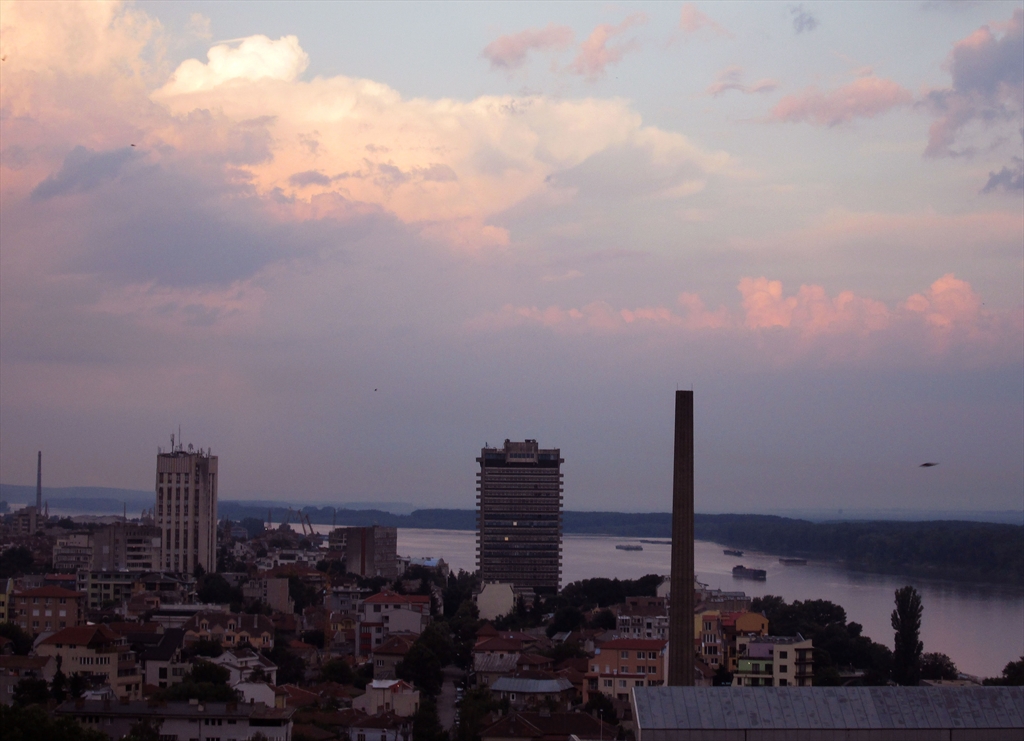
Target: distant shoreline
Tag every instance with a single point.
(957, 550)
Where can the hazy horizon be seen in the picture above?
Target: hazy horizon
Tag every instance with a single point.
(346, 245)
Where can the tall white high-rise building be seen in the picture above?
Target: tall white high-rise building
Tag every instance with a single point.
(186, 509)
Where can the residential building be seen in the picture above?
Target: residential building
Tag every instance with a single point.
(25, 521)
(548, 726)
(774, 661)
(13, 669)
(99, 652)
(46, 609)
(232, 721)
(162, 664)
(708, 629)
(388, 695)
(186, 509)
(387, 612)
(230, 629)
(271, 591)
(106, 588)
(246, 665)
(642, 617)
(534, 690)
(126, 546)
(73, 553)
(519, 515)
(372, 551)
(624, 663)
(735, 624)
(390, 654)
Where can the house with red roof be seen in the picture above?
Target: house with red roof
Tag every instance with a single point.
(98, 652)
(388, 612)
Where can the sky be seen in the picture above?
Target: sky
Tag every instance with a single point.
(346, 245)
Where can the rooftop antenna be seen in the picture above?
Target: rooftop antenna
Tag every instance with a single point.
(172, 442)
(179, 437)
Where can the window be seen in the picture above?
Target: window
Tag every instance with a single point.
(607, 683)
(783, 654)
(783, 683)
(624, 654)
(783, 668)
(622, 683)
(639, 654)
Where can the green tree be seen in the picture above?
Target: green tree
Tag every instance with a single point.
(906, 621)
(207, 682)
(291, 669)
(426, 725)
(938, 666)
(438, 638)
(16, 562)
(22, 641)
(566, 619)
(422, 667)
(477, 704)
(58, 686)
(33, 724)
(600, 706)
(303, 594)
(337, 670)
(214, 589)
(31, 692)
(1013, 675)
(144, 730)
(604, 620)
(76, 685)
(314, 638)
(204, 647)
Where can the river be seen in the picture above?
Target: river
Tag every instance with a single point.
(981, 627)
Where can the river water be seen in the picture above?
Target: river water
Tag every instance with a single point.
(981, 627)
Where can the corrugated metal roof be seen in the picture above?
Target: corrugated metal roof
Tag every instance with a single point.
(530, 686)
(860, 708)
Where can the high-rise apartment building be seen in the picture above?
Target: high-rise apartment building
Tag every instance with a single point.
(186, 509)
(372, 551)
(519, 517)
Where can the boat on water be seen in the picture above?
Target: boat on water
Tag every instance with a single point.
(629, 547)
(793, 561)
(742, 572)
(729, 552)
(656, 542)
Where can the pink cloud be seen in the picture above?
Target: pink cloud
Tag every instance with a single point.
(947, 317)
(692, 20)
(595, 53)
(863, 98)
(730, 79)
(948, 302)
(509, 51)
(810, 311)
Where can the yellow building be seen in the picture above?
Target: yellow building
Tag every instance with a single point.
(98, 651)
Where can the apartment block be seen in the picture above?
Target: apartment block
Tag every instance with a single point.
(186, 509)
(620, 665)
(519, 516)
(774, 661)
(46, 609)
(126, 546)
(371, 551)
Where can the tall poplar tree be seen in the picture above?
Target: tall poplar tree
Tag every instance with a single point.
(906, 621)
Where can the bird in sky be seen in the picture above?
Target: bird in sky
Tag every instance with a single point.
(927, 465)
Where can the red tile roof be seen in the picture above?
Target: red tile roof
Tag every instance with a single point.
(83, 635)
(392, 598)
(645, 644)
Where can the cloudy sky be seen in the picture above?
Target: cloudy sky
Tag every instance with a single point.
(345, 245)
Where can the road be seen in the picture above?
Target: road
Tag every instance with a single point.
(446, 710)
